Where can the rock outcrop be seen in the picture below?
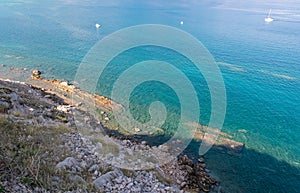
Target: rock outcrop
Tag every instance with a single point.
(85, 164)
(36, 75)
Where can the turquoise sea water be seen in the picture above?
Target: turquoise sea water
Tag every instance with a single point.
(260, 64)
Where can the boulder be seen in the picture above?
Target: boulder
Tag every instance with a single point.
(68, 163)
(76, 179)
(103, 180)
(93, 168)
(36, 74)
(64, 83)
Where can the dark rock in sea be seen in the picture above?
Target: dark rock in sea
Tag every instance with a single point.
(189, 175)
(201, 160)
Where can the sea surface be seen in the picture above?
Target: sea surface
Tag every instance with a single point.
(260, 65)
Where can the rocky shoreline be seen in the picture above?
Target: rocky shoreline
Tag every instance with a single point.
(47, 104)
(70, 93)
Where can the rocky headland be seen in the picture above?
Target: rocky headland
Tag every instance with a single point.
(42, 149)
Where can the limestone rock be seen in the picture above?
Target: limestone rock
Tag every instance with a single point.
(76, 179)
(64, 83)
(103, 180)
(68, 163)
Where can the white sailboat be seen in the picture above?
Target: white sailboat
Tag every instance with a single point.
(269, 19)
(97, 25)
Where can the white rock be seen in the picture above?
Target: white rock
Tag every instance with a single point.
(64, 83)
(63, 108)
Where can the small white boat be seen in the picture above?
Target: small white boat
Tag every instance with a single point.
(97, 25)
(269, 19)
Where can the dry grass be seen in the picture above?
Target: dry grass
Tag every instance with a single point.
(107, 146)
(28, 155)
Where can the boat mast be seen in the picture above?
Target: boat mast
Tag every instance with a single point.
(269, 12)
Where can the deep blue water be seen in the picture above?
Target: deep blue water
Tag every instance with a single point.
(260, 64)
